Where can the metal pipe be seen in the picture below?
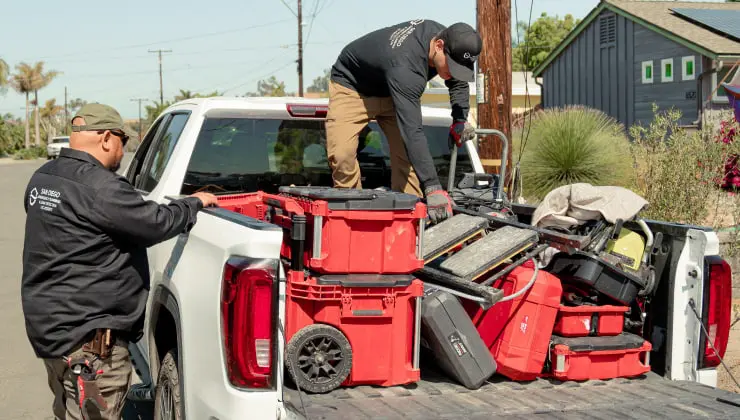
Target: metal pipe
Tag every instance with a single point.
(504, 157)
(317, 229)
(417, 333)
(649, 242)
(420, 243)
(453, 167)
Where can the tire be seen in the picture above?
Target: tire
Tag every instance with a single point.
(167, 396)
(318, 345)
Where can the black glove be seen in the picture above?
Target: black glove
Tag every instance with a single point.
(460, 131)
(439, 205)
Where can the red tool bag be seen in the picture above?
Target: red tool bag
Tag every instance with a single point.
(589, 320)
(584, 358)
(352, 329)
(518, 331)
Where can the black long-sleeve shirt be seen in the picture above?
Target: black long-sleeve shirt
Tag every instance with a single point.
(84, 256)
(394, 62)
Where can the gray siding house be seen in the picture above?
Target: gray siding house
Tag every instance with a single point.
(626, 55)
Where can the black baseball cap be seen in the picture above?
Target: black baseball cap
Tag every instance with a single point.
(462, 47)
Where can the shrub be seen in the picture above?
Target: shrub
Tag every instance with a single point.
(32, 152)
(572, 145)
(676, 171)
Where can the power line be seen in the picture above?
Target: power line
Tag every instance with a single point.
(161, 91)
(289, 8)
(300, 49)
(186, 38)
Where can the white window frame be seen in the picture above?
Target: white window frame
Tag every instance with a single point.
(688, 59)
(645, 65)
(715, 95)
(663, 63)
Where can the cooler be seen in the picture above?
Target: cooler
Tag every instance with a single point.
(518, 331)
(622, 356)
(352, 329)
(589, 320)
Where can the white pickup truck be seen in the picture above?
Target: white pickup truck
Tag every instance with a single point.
(195, 367)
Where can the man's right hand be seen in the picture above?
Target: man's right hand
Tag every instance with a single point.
(207, 199)
(439, 205)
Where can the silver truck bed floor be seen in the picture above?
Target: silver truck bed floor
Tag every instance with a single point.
(648, 397)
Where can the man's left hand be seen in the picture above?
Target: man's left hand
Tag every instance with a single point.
(460, 131)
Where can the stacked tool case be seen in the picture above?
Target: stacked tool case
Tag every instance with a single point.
(352, 306)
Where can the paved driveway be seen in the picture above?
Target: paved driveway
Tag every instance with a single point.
(24, 393)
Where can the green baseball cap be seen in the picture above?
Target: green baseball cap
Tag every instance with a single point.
(101, 117)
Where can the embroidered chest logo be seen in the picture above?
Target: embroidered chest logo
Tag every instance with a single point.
(400, 35)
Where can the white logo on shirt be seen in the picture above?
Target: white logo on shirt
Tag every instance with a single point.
(33, 196)
(400, 35)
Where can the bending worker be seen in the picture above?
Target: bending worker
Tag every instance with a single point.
(85, 273)
(382, 76)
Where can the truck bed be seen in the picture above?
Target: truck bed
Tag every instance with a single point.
(436, 397)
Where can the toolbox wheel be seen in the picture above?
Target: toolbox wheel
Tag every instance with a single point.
(319, 358)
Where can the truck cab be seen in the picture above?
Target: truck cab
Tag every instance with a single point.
(194, 362)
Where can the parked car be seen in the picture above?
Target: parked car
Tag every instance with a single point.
(55, 145)
(194, 364)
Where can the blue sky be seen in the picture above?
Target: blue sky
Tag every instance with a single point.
(226, 45)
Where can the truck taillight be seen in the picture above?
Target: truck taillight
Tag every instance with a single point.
(716, 310)
(247, 302)
(309, 111)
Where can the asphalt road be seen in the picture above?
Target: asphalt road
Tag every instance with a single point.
(24, 392)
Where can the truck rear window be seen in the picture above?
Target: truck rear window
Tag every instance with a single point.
(247, 154)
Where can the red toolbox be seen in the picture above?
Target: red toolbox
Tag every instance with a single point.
(352, 329)
(518, 331)
(347, 231)
(589, 320)
(584, 358)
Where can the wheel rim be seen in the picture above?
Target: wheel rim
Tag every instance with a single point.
(166, 402)
(319, 359)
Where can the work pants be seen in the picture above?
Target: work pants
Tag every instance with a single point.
(349, 112)
(113, 383)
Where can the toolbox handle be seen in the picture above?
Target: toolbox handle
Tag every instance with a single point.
(284, 203)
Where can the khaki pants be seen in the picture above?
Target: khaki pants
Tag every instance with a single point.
(114, 383)
(349, 113)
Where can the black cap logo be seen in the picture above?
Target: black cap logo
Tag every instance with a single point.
(462, 47)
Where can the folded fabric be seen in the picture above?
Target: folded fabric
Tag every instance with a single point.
(572, 205)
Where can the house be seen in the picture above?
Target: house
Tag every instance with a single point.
(525, 94)
(626, 55)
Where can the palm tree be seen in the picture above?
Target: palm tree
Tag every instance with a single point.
(49, 117)
(22, 82)
(4, 73)
(40, 81)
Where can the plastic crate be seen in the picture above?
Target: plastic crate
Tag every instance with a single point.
(588, 320)
(360, 231)
(518, 331)
(378, 315)
(579, 359)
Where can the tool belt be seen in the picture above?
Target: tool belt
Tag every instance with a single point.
(101, 343)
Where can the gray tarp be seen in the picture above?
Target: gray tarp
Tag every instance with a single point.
(574, 204)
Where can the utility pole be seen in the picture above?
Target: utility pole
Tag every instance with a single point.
(66, 114)
(161, 92)
(300, 49)
(139, 100)
(494, 80)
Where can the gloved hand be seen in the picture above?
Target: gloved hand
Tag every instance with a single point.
(439, 205)
(460, 131)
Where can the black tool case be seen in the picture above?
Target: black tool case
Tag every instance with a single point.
(453, 339)
(582, 268)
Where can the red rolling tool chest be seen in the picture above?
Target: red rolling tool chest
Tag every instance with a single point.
(584, 358)
(518, 331)
(589, 320)
(352, 330)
